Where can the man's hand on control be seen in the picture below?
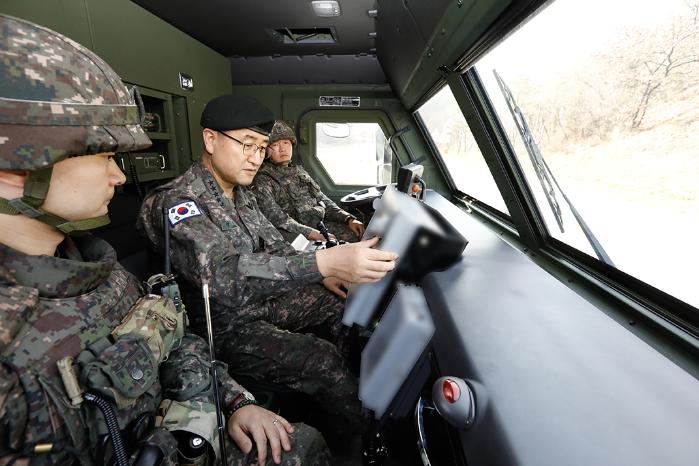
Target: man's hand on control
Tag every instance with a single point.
(356, 262)
(337, 286)
(356, 226)
(264, 426)
(315, 235)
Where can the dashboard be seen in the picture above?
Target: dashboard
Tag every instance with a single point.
(556, 380)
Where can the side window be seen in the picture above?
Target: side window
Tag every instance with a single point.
(604, 123)
(354, 153)
(451, 135)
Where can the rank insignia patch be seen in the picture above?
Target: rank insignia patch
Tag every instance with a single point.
(183, 211)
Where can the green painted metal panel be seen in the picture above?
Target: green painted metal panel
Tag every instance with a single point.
(461, 25)
(68, 17)
(141, 47)
(292, 102)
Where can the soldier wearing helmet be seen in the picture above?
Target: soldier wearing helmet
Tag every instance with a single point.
(85, 359)
(274, 319)
(292, 200)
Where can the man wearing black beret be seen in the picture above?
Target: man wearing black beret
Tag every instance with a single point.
(269, 308)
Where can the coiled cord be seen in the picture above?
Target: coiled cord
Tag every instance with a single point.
(134, 177)
(112, 427)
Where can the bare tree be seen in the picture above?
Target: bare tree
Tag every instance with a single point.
(661, 56)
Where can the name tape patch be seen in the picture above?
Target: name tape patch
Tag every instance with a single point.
(183, 211)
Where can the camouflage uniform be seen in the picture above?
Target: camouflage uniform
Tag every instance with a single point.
(52, 307)
(59, 100)
(268, 308)
(290, 199)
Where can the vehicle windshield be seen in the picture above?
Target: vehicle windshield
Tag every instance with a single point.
(610, 95)
(447, 129)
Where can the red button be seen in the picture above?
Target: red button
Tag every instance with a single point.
(451, 390)
(416, 188)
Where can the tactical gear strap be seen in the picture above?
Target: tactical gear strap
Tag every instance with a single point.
(37, 186)
(36, 426)
(78, 226)
(72, 418)
(34, 195)
(19, 206)
(6, 208)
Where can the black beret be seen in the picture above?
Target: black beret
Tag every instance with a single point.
(235, 112)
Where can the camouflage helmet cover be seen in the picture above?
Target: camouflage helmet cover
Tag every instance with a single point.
(281, 131)
(58, 99)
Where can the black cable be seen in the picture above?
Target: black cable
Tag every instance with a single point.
(423, 188)
(136, 96)
(134, 177)
(112, 427)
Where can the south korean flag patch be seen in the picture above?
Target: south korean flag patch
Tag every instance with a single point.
(183, 211)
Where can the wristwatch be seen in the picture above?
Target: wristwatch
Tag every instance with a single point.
(245, 398)
(244, 395)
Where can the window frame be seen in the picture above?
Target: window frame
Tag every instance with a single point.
(640, 300)
(648, 311)
(469, 198)
(314, 132)
(307, 142)
(492, 142)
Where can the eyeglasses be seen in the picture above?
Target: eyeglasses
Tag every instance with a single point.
(248, 149)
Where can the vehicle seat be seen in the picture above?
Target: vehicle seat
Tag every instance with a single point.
(132, 250)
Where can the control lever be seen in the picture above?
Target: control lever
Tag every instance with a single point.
(329, 243)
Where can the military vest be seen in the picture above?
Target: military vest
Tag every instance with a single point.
(58, 307)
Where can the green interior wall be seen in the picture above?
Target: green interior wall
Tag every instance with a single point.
(151, 53)
(293, 102)
(143, 49)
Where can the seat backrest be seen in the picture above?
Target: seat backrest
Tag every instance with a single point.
(132, 250)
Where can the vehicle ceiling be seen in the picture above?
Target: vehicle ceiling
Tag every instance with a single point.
(411, 38)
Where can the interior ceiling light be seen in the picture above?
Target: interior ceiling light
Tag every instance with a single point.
(326, 8)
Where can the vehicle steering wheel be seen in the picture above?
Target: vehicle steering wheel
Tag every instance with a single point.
(363, 197)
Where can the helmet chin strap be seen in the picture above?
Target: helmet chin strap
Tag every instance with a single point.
(35, 190)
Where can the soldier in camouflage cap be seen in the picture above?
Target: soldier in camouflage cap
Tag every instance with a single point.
(272, 318)
(292, 200)
(75, 330)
